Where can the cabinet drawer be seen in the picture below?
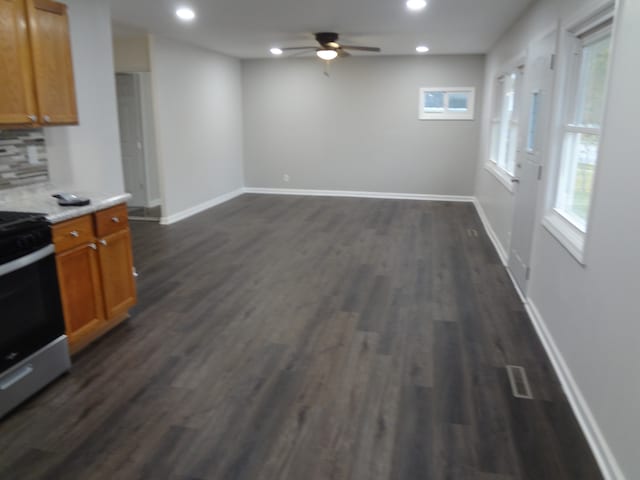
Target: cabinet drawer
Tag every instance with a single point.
(72, 233)
(111, 220)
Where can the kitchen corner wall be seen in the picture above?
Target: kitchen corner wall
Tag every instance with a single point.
(198, 118)
(358, 129)
(87, 157)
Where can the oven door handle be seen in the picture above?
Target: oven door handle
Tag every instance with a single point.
(16, 377)
(27, 260)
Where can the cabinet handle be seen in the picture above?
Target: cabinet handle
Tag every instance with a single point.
(74, 234)
(46, 118)
(103, 242)
(115, 219)
(93, 246)
(33, 118)
(135, 272)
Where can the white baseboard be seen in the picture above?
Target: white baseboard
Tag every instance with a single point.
(154, 203)
(176, 217)
(357, 194)
(504, 257)
(324, 193)
(604, 457)
(607, 462)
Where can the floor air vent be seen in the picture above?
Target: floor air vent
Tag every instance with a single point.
(519, 382)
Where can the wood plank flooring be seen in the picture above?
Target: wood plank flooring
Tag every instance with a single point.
(289, 338)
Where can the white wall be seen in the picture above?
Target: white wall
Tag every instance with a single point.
(358, 130)
(131, 54)
(591, 312)
(87, 157)
(198, 116)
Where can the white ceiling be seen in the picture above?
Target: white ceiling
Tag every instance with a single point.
(248, 28)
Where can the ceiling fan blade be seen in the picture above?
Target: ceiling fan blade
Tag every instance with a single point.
(362, 49)
(288, 49)
(300, 53)
(342, 52)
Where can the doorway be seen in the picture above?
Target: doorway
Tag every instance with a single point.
(538, 91)
(137, 143)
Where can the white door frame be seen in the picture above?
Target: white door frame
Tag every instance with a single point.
(133, 159)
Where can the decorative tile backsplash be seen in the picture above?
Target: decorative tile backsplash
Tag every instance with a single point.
(23, 158)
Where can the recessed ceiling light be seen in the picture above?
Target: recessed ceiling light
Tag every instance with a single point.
(416, 4)
(276, 51)
(422, 49)
(185, 13)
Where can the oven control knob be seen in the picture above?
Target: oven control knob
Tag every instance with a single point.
(26, 241)
(38, 238)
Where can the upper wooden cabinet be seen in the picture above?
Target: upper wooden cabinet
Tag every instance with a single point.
(52, 65)
(17, 95)
(35, 64)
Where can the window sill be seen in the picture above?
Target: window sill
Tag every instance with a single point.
(568, 235)
(501, 175)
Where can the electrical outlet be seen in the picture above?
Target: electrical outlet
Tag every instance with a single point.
(286, 177)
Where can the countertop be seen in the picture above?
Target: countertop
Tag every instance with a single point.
(38, 199)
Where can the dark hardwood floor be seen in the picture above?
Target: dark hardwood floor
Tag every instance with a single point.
(307, 338)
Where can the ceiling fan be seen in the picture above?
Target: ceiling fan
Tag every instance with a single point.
(330, 48)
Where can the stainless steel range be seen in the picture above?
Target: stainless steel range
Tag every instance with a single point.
(33, 346)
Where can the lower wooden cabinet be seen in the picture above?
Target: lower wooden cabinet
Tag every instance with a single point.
(80, 289)
(96, 275)
(116, 266)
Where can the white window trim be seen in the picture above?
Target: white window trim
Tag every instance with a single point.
(503, 177)
(569, 236)
(572, 238)
(446, 114)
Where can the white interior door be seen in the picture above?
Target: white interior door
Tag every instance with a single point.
(131, 141)
(538, 95)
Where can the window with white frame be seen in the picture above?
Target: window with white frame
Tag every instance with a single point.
(447, 103)
(584, 112)
(504, 121)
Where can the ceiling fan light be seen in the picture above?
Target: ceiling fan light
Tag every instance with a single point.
(276, 51)
(416, 4)
(327, 54)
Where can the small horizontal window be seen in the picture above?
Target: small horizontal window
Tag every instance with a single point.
(446, 103)
(434, 102)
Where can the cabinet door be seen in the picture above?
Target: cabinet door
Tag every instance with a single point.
(52, 64)
(17, 95)
(116, 266)
(79, 279)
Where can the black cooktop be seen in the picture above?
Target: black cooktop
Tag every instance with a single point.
(17, 221)
(22, 233)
